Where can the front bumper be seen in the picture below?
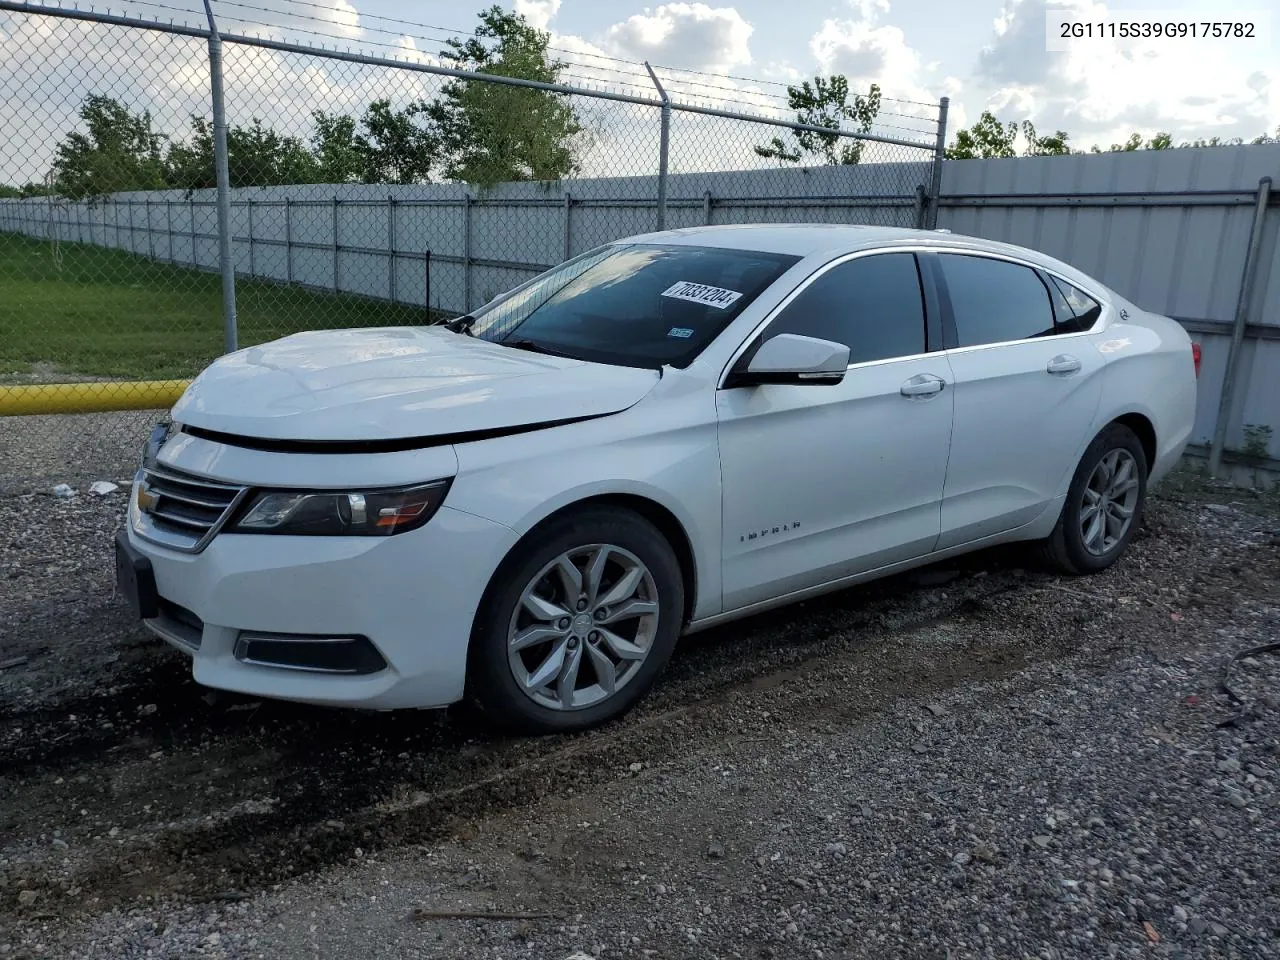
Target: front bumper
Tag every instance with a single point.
(413, 595)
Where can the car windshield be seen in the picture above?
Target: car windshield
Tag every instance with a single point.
(637, 305)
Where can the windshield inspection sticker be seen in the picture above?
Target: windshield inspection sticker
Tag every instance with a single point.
(683, 333)
(717, 297)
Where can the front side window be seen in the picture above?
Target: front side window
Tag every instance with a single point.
(641, 305)
(871, 303)
(994, 301)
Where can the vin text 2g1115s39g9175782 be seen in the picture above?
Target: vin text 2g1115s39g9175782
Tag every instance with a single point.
(529, 505)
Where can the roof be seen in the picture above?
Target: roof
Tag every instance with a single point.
(833, 239)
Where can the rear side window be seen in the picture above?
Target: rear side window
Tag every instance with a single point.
(1077, 311)
(994, 301)
(873, 304)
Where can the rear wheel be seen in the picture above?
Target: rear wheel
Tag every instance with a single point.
(577, 623)
(1104, 504)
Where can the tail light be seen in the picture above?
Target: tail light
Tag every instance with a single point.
(1195, 355)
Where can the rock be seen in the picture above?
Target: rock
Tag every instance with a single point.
(800, 882)
(27, 897)
(1217, 508)
(919, 748)
(1197, 925)
(715, 850)
(936, 709)
(1041, 840)
(1180, 914)
(64, 491)
(962, 859)
(147, 710)
(1230, 765)
(1218, 930)
(837, 848)
(636, 767)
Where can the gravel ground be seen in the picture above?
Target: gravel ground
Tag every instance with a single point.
(978, 760)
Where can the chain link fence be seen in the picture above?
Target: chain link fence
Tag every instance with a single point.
(351, 190)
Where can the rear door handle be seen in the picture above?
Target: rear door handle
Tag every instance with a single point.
(923, 385)
(1063, 363)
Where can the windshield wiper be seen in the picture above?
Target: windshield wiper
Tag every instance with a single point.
(461, 324)
(523, 343)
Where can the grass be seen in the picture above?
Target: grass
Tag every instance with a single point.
(95, 312)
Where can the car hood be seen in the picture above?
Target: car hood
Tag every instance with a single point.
(396, 383)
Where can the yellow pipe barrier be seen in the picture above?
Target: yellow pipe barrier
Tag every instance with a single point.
(94, 397)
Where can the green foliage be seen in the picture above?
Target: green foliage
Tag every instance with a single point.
(824, 103)
(120, 152)
(1257, 441)
(1050, 145)
(8, 192)
(256, 156)
(986, 138)
(395, 147)
(489, 133)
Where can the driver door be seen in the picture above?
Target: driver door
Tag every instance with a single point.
(825, 481)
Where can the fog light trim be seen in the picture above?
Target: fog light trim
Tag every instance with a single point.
(348, 655)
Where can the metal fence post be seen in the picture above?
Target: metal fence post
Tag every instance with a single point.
(466, 253)
(191, 224)
(253, 264)
(939, 153)
(168, 225)
(335, 243)
(568, 210)
(288, 240)
(1227, 398)
(663, 144)
(226, 265)
(391, 248)
(706, 208)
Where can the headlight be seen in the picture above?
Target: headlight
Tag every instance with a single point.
(160, 433)
(375, 513)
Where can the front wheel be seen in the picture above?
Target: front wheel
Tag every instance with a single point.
(1104, 504)
(577, 623)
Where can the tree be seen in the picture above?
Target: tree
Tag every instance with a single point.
(9, 192)
(257, 156)
(394, 148)
(986, 138)
(489, 132)
(825, 103)
(119, 152)
(1050, 145)
(339, 157)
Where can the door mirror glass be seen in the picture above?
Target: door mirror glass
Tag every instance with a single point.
(791, 358)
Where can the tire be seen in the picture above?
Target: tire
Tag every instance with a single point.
(610, 653)
(1067, 549)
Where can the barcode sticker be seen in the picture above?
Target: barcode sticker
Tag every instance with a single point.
(717, 297)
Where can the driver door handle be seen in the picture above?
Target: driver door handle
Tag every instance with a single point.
(923, 385)
(1063, 363)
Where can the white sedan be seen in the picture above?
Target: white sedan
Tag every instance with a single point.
(529, 506)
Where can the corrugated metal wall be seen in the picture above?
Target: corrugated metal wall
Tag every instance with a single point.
(1168, 229)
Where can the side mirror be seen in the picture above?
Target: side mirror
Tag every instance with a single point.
(791, 358)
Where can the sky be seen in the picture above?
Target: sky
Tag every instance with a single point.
(981, 54)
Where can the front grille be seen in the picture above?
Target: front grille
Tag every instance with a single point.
(182, 504)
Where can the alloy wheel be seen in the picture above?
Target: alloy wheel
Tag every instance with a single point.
(583, 626)
(1109, 501)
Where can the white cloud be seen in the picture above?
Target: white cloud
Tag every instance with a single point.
(1099, 93)
(869, 9)
(539, 13)
(343, 16)
(690, 35)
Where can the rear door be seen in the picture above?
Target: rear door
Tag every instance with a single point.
(1027, 388)
(824, 481)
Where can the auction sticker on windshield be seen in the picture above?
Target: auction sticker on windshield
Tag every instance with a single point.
(717, 297)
